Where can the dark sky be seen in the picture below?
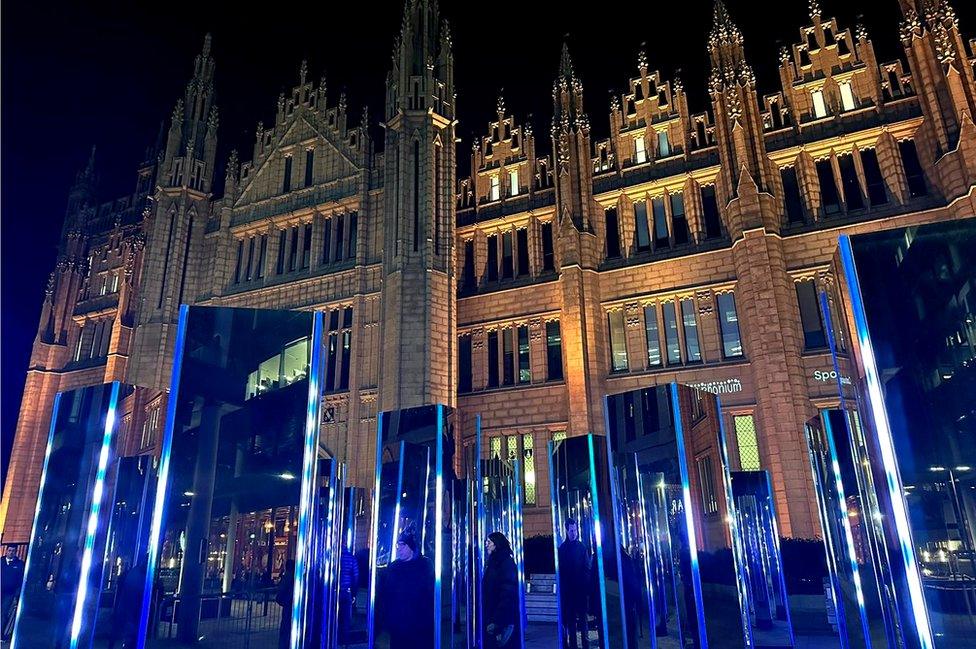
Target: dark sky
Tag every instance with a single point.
(106, 73)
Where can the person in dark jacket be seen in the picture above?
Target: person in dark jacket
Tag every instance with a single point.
(500, 596)
(574, 584)
(11, 579)
(408, 597)
(284, 598)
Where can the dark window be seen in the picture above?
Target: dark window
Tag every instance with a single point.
(347, 317)
(524, 371)
(492, 258)
(850, 182)
(293, 248)
(240, 256)
(262, 256)
(309, 166)
(679, 222)
(327, 242)
(877, 189)
(791, 195)
(507, 263)
(618, 341)
(652, 336)
(671, 343)
(522, 251)
(548, 258)
(508, 358)
(728, 321)
(613, 233)
(492, 359)
(307, 246)
(804, 58)
(660, 223)
(713, 224)
(554, 351)
(250, 259)
(642, 233)
(464, 364)
(468, 279)
(692, 348)
(346, 355)
(812, 44)
(353, 234)
(338, 238)
(913, 169)
(813, 331)
(282, 242)
(331, 359)
(416, 196)
(829, 200)
(286, 183)
(842, 47)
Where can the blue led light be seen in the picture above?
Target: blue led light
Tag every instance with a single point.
(886, 444)
(599, 537)
(375, 532)
(163, 478)
(615, 499)
(519, 549)
(308, 490)
(554, 502)
(37, 511)
(689, 514)
(438, 523)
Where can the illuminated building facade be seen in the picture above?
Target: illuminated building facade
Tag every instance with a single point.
(689, 246)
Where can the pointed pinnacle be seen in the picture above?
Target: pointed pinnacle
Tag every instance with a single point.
(500, 104)
(206, 45)
(565, 61)
(302, 72)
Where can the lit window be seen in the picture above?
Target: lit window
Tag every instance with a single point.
(528, 468)
(653, 336)
(640, 150)
(692, 348)
(846, 96)
(671, 343)
(524, 371)
(819, 107)
(663, 145)
(618, 342)
(728, 321)
(115, 283)
(495, 188)
(748, 445)
(513, 182)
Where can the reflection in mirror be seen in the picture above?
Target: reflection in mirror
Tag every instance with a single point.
(63, 576)
(421, 541)
(236, 507)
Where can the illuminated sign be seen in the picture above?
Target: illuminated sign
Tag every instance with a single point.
(726, 386)
(822, 376)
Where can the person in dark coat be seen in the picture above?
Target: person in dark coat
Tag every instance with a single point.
(500, 596)
(11, 580)
(408, 597)
(574, 583)
(284, 598)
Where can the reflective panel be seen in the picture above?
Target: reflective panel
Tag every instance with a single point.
(234, 524)
(421, 542)
(676, 565)
(909, 302)
(64, 573)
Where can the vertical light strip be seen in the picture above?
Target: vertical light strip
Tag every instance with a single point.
(307, 505)
(519, 551)
(163, 479)
(438, 524)
(554, 503)
(599, 540)
(375, 533)
(37, 511)
(482, 532)
(96, 506)
(620, 519)
(649, 545)
(887, 446)
(679, 435)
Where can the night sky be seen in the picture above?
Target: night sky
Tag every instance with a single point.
(76, 75)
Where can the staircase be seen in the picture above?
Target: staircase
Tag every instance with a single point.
(540, 599)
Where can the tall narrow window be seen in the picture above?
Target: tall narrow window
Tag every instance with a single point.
(468, 279)
(613, 233)
(728, 321)
(528, 461)
(513, 182)
(846, 96)
(660, 223)
(332, 351)
(262, 256)
(640, 150)
(810, 316)
(554, 352)
(508, 358)
(437, 199)
(464, 364)
(618, 341)
(250, 259)
(339, 237)
(663, 144)
(913, 169)
(829, 199)
(713, 224)
(309, 166)
(548, 256)
(671, 344)
(293, 248)
(282, 242)
(642, 232)
(416, 199)
(877, 189)
(653, 336)
(746, 442)
(306, 246)
(791, 195)
(850, 182)
(494, 192)
(346, 356)
(114, 287)
(819, 107)
(522, 251)
(508, 264)
(240, 258)
(679, 222)
(493, 359)
(353, 235)
(692, 348)
(286, 182)
(327, 242)
(492, 271)
(524, 371)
